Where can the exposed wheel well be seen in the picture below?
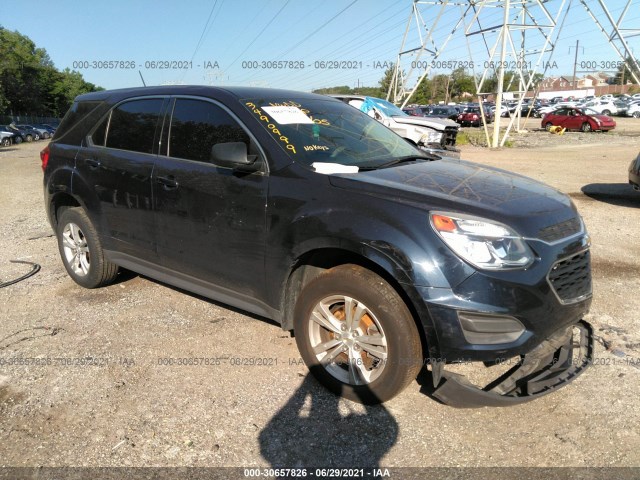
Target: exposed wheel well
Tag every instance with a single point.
(311, 264)
(59, 202)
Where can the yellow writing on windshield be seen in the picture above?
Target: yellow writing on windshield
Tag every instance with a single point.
(270, 125)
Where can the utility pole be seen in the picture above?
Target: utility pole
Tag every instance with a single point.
(575, 66)
(503, 55)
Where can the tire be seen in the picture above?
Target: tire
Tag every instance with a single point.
(81, 251)
(17, 140)
(6, 142)
(365, 372)
(29, 137)
(548, 126)
(45, 135)
(36, 136)
(636, 114)
(586, 127)
(606, 112)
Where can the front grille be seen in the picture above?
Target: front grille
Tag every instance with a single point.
(449, 137)
(560, 230)
(571, 278)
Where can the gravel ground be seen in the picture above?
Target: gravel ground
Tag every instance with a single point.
(124, 407)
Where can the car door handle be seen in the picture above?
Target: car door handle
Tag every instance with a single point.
(168, 183)
(92, 164)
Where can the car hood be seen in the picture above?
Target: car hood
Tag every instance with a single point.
(603, 118)
(438, 123)
(460, 186)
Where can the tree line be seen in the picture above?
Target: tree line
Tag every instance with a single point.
(30, 84)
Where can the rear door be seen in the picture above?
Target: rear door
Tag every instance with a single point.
(210, 220)
(117, 163)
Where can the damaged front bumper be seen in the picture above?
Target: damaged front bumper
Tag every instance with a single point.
(551, 365)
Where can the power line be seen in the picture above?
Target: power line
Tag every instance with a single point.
(260, 33)
(204, 31)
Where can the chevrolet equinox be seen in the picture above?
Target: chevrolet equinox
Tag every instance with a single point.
(380, 258)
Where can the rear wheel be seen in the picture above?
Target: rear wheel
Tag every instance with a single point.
(586, 127)
(356, 335)
(29, 138)
(17, 140)
(6, 142)
(606, 112)
(636, 114)
(81, 251)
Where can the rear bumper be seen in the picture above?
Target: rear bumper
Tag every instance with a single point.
(554, 363)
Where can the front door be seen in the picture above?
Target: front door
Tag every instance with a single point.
(210, 220)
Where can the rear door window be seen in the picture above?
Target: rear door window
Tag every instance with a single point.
(133, 125)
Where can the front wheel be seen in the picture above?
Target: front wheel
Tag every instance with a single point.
(17, 140)
(548, 126)
(6, 142)
(586, 127)
(81, 250)
(29, 138)
(636, 114)
(606, 112)
(356, 335)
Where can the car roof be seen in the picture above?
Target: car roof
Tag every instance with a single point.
(196, 90)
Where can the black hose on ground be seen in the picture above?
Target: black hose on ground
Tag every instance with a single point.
(35, 269)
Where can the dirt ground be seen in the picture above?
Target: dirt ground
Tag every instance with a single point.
(100, 393)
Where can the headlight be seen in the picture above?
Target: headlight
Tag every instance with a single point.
(431, 137)
(483, 243)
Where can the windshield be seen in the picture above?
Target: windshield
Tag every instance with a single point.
(328, 131)
(590, 111)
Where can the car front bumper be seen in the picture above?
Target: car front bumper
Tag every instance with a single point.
(554, 363)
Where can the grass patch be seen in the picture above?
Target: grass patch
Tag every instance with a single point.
(477, 138)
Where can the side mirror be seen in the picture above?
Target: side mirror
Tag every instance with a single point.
(233, 155)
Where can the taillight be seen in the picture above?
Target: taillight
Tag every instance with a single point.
(475, 117)
(44, 157)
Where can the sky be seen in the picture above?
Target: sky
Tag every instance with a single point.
(239, 42)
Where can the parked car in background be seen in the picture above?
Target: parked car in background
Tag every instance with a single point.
(27, 135)
(17, 134)
(583, 119)
(435, 134)
(30, 131)
(473, 117)
(634, 173)
(416, 111)
(46, 127)
(42, 132)
(448, 112)
(621, 107)
(6, 138)
(604, 107)
(633, 110)
(301, 209)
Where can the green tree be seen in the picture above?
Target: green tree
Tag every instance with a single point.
(461, 83)
(29, 81)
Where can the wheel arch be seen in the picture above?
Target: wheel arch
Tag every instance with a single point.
(312, 263)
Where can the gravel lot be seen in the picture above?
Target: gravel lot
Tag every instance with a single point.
(127, 409)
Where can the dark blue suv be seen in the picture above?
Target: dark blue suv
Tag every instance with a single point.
(381, 259)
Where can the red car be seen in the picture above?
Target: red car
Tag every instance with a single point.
(473, 117)
(584, 119)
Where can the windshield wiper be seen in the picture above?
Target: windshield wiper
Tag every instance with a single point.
(398, 161)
